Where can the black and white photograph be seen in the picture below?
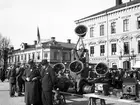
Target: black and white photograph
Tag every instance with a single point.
(69, 52)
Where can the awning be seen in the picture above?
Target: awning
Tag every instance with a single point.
(137, 64)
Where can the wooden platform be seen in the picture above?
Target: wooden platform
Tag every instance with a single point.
(92, 99)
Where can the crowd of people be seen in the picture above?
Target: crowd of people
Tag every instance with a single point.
(36, 82)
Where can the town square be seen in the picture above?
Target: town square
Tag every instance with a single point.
(70, 53)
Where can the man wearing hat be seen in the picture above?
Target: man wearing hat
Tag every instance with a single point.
(12, 79)
(20, 81)
(31, 77)
(48, 80)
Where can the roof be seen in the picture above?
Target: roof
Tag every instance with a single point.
(67, 45)
(30, 46)
(46, 44)
(113, 8)
(59, 44)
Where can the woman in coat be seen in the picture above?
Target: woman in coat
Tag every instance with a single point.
(31, 77)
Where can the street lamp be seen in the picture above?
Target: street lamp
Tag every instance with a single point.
(130, 57)
(133, 55)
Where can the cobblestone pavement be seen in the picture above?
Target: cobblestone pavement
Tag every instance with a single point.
(5, 99)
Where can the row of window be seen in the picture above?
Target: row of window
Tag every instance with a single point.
(18, 58)
(126, 49)
(113, 27)
(64, 56)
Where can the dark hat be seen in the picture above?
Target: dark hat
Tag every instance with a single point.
(44, 62)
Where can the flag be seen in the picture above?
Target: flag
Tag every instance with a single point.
(38, 35)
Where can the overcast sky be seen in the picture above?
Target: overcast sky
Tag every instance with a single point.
(55, 18)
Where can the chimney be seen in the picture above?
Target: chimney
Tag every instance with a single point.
(53, 38)
(69, 41)
(11, 48)
(118, 2)
(25, 45)
(35, 42)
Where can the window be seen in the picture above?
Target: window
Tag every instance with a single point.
(92, 32)
(113, 49)
(21, 56)
(56, 55)
(101, 30)
(15, 59)
(69, 55)
(18, 58)
(125, 25)
(102, 50)
(29, 56)
(33, 55)
(12, 59)
(138, 22)
(126, 47)
(25, 57)
(64, 56)
(139, 46)
(45, 54)
(38, 55)
(91, 50)
(113, 27)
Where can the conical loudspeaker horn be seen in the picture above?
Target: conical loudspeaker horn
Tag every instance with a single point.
(76, 66)
(81, 30)
(101, 69)
(59, 67)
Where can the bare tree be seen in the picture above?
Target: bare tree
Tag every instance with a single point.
(5, 45)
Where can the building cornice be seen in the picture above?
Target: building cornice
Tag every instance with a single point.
(109, 12)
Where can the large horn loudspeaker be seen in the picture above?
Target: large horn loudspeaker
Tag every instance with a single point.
(76, 66)
(59, 67)
(101, 69)
(81, 30)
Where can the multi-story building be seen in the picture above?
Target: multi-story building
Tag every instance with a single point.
(52, 50)
(113, 34)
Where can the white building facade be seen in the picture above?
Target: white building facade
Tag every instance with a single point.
(113, 35)
(52, 50)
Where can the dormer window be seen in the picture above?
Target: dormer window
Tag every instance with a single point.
(22, 46)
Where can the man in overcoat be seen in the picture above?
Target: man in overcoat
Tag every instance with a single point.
(32, 84)
(20, 81)
(48, 80)
(12, 80)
